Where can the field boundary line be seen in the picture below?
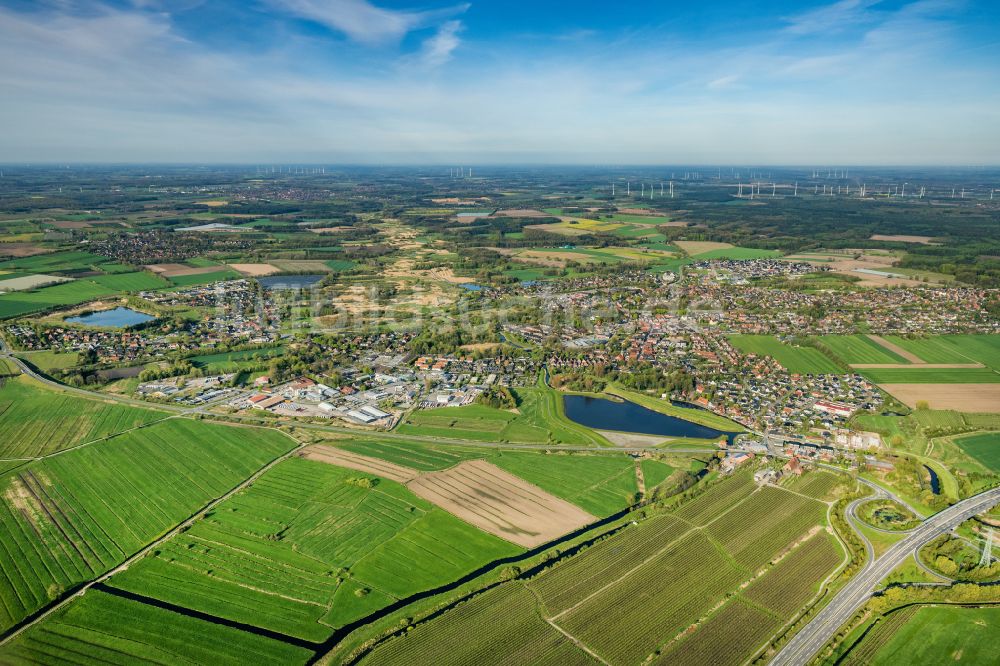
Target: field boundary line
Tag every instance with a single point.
(575, 641)
(139, 554)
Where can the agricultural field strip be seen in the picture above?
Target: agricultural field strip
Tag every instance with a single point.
(758, 572)
(92, 441)
(658, 553)
(142, 552)
(500, 503)
(342, 458)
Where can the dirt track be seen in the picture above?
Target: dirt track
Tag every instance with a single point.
(896, 349)
(500, 503)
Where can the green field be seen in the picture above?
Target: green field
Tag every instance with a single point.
(314, 537)
(46, 361)
(931, 635)
(231, 360)
(859, 349)
(539, 419)
(56, 261)
(501, 626)
(138, 281)
(984, 447)
(801, 360)
(737, 253)
(68, 293)
(60, 527)
(204, 278)
(35, 421)
(983, 349)
(918, 375)
(100, 628)
(599, 483)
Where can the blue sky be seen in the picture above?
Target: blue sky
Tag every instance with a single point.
(352, 81)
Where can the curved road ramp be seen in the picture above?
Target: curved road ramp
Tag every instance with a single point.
(801, 649)
(477, 492)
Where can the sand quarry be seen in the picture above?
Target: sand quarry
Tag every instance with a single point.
(477, 492)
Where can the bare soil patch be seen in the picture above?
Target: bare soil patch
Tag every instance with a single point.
(19, 250)
(520, 212)
(500, 503)
(175, 270)
(70, 224)
(342, 458)
(255, 270)
(30, 282)
(959, 397)
(629, 439)
(328, 230)
(902, 238)
(694, 248)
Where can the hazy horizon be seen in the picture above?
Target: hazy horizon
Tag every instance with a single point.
(352, 82)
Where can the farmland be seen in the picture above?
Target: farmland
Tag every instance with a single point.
(599, 483)
(539, 418)
(325, 550)
(101, 628)
(854, 349)
(984, 447)
(35, 421)
(662, 575)
(69, 293)
(499, 626)
(803, 360)
(931, 635)
(71, 517)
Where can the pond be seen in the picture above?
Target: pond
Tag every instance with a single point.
(117, 318)
(935, 481)
(627, 416)
(289, 281)
(471, 286)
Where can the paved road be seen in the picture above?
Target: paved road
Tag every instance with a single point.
(808, 642)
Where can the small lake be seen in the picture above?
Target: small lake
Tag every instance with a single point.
(627, 416)
(935, 481)
(289, 281)
(471, 286)
(117, 318)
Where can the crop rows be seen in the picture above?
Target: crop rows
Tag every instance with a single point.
(102, 629)
(709, 504)
(791, 583)
(879, 636)
(817, 484)
(34, 421)
(756, 530)
(605, 562)
(726, 638)
(501, 626)
(70, 517)
(633, 617)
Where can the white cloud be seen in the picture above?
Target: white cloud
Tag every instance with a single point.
(437, 50)
(723, 82)
(364, 22)
(830, 18)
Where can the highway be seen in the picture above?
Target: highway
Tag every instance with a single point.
(801, 649)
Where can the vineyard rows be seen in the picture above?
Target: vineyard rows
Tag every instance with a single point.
(716, 499)
(605, 562)
(501, 626)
